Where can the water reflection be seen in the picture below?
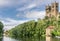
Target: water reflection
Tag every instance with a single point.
(24, 39)
(8, 39)
(39, 39)
(33, 39)
(28, 39)
(1, 39)
(55, 39)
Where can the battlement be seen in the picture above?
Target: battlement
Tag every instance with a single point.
(52, 10)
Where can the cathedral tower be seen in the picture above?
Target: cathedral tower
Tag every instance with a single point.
(52, 10)
(48, 10)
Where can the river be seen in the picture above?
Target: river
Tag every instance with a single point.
(8, 39)
(22, 39)
(27, 39)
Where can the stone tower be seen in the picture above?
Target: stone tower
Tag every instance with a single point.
(48, 33)
(48, 10)
(52, 10)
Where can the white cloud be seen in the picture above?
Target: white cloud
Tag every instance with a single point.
(5, 3)
(35, 14)
(8, 3)
(32, 4)
(27, 7)
(11, 23)
(27, 2)
(20, 15)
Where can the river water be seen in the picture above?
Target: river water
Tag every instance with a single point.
(27, 39)
(8, 39)
(22, 39)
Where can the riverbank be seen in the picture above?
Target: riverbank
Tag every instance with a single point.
(28, 39)
(8, 39)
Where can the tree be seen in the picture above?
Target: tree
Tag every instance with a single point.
(1, 29)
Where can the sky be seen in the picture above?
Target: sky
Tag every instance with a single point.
(14, 12)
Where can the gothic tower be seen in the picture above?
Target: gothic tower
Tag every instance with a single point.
(52, 10)
(48, 10)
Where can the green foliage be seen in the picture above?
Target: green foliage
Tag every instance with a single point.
(33, 28)
(1, 29)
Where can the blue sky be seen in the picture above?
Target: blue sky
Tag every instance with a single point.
(14, 12)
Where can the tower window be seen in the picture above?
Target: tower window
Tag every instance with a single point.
(57, 6)
(53, 6)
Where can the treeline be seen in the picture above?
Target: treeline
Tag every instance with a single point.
(35, 28)
(1, 30)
